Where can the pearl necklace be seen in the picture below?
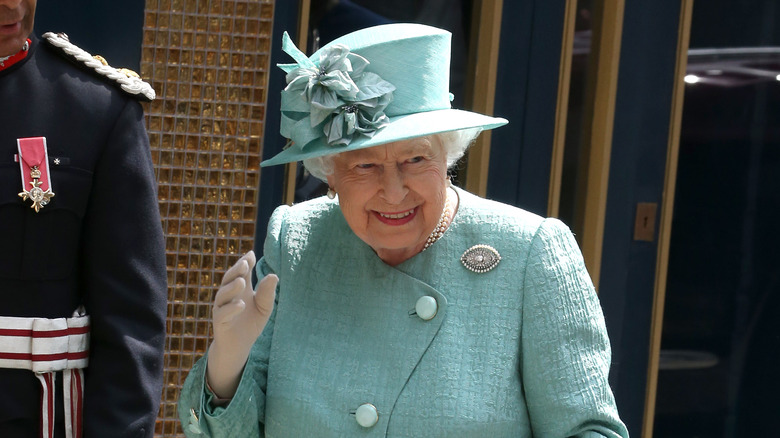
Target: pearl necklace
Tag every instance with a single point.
(441, 227)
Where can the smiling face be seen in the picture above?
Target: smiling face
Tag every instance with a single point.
(392, 195)
(16, 24)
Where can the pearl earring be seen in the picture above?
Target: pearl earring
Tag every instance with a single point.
(331, 193)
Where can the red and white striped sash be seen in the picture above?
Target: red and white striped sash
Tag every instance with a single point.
(45, 346)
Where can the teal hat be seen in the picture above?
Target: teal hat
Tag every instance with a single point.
(370, 87)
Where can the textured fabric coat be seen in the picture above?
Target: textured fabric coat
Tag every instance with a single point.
(98, 243)
(518, 351)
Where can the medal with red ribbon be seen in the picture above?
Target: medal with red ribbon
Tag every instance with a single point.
(34, 163)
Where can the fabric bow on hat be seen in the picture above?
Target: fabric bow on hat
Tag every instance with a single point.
(335, 98)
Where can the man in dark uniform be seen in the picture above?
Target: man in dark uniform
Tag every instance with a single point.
(80, 232)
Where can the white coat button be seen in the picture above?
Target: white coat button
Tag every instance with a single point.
(366, 415)
(426, 308)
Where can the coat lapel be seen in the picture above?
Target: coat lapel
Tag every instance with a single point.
(346, 322)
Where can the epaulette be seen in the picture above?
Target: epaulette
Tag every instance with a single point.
(128, 80)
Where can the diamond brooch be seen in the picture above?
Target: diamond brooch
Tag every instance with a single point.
(480, 258)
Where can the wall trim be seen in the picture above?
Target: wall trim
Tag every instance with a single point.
(592, 195)
(665, 223)
(486, 34)
(562, 108)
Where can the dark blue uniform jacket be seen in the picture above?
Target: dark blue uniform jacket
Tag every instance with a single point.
(98, 243)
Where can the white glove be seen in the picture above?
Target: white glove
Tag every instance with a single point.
(239, 316)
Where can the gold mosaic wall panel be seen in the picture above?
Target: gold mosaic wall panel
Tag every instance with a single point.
(208, 61)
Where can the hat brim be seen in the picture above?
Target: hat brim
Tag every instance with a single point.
(399, 128)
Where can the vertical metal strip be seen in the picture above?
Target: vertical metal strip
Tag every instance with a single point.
(667, 206)
(562, 108)
(606, 45)
(485, 52)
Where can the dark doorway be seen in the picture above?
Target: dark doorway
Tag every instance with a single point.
(721, 332)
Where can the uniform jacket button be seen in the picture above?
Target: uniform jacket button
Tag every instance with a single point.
(426, 308)
(366, 415)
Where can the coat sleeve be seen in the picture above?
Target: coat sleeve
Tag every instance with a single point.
(245, 414)
(565, 349)
(124, 278)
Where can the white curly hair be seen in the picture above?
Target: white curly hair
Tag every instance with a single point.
(454, 143)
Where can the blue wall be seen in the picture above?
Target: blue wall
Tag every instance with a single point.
(637, 170)
(526, 95)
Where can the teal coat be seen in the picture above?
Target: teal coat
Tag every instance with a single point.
(518, 351)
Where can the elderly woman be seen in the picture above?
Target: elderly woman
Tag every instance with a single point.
(405, 307)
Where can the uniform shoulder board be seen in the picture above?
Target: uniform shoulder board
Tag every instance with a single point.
(128, 80)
